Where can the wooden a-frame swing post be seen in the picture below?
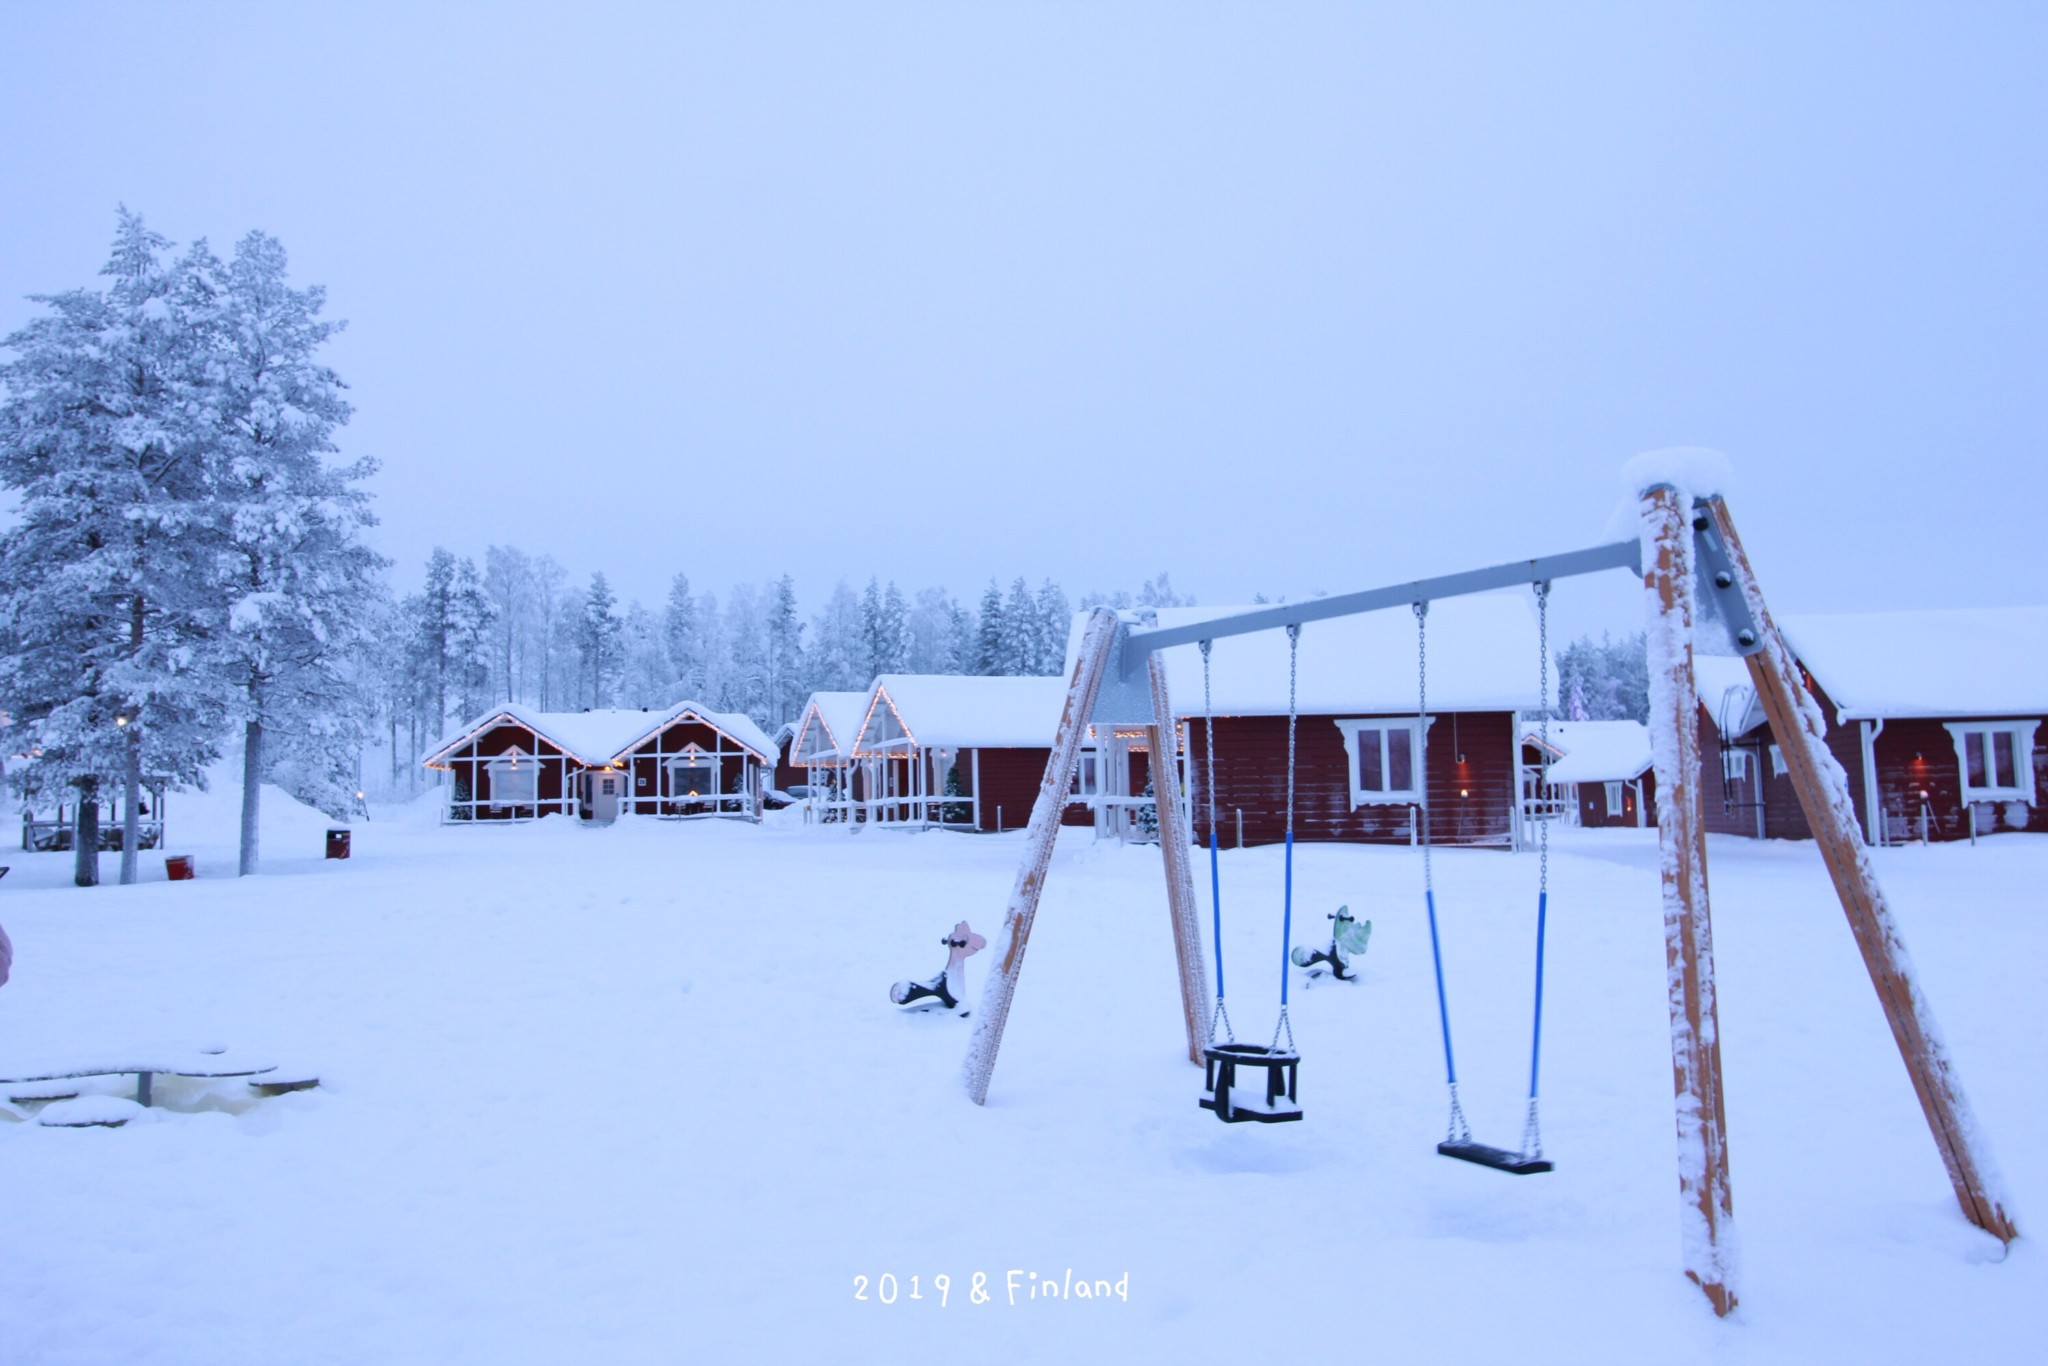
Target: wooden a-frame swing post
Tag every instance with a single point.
(1706, 1203)
(1823, 791)
(1666, 560)
(1175, 856)
(1098, 642)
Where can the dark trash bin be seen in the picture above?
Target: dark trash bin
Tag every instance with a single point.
(337, 844)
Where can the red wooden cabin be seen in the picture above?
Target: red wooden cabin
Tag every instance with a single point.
(1603, 770)
(987, 739)
(514, 763)
(1368, 769)
(1935, 717)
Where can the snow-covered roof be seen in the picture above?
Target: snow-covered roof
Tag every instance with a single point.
(953, 711)
(1722, 682)
(603, 735)
(1598, 751)
(825, 730)
(1482, 657)
(1975, 661)
(736, 726)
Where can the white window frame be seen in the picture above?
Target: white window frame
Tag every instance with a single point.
(1352, 727)
(693, 758)
(1087, 774)
(2022, 733)
(1777, 761)
(1617, 804)
(519, 766)
(1735, 764)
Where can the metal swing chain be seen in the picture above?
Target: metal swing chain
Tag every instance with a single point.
(1456, 1129)
(1532, 1128)
(1220, 1013)
(1283, 1024)
(1543, 728)
(1422, 724)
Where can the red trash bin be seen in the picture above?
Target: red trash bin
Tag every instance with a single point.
(180, 868)
(337, 844)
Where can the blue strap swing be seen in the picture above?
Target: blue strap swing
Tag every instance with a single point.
(1275, 1102)
(1458, 1141)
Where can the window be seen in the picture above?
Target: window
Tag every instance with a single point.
(1777, 762)
(1616, 803)
(1385, 760)
(1087, 775)
(514, 778)
(1735, 765)
(693, 776)
(1997, 759)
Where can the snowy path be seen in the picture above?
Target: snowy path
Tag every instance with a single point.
(636, 1095)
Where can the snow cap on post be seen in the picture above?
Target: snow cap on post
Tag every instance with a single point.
(1696, 471)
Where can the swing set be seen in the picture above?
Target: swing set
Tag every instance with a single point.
(1692, 565)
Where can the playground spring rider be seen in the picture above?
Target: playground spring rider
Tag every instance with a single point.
(1222, 1060)
(949, 988)
(1347, 936)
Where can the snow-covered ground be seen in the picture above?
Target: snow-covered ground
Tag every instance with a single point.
(637, 1095)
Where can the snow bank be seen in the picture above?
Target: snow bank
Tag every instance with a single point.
(214, 817)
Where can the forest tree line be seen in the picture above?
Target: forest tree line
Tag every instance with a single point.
(516, 629)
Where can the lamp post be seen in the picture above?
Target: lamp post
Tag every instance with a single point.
(131, 808)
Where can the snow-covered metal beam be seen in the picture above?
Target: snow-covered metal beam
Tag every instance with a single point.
(1543, 569)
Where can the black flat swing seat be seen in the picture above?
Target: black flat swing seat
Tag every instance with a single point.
(1500, 1159)
(1273, 1104)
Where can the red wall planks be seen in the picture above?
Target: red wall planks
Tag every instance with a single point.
(1471, 802)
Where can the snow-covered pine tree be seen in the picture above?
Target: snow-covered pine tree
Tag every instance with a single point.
(893, 631)
(786, 674)
(873, 652)
(296, 581)
(508, 586)
(1022, 631)
(746, 653)
(961, 636)
(991, 631)
(684, 635)
(1607, 679)
(1159, 593)
(474, 625)
(597, 642)
(929, 628)
(106, 572)
(837, 657)
(714, 661)
(646, 672)
(551, 598)
(436, 627)
(1055, 620)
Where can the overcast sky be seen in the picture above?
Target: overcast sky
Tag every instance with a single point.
(1277, 297)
